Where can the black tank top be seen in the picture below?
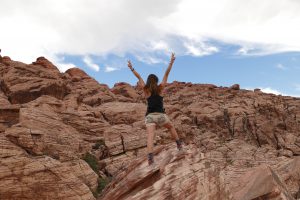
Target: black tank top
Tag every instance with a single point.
(155, 104)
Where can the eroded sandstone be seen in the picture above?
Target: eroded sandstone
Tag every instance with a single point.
(63, 135)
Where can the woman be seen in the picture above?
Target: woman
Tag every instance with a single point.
(155, 115)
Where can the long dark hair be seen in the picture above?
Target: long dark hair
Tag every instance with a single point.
(152, 85)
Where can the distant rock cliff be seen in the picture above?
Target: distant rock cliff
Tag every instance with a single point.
(65, 136)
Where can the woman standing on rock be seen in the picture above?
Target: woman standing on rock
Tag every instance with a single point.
(155, 115)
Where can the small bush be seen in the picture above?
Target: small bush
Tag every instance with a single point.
(91, 161)
(102, 182)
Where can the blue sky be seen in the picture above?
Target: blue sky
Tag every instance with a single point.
(273, 73)
(253, 43)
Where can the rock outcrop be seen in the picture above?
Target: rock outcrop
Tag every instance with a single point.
(41, 177)
(23, 83)
(65, 136)
(85, 89)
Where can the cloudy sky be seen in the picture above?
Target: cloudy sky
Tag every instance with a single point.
(254, 43)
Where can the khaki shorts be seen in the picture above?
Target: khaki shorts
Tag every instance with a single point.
(156, 118)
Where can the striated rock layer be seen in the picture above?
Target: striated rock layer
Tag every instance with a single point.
(65, 136)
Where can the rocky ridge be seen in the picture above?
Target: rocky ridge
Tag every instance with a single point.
(65, 136)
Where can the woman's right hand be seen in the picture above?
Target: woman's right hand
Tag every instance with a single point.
(172, 58)
(130, 65)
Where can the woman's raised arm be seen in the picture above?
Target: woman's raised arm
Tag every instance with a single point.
(141, 81)
(165, 79)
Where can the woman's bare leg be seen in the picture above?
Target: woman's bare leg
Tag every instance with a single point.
(150, 137)
(150, 141)
(174, 134)
(172, 130)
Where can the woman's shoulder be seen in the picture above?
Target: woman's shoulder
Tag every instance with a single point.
(147, 94)
(161, 89)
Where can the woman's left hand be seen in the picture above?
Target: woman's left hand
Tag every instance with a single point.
(172, 57)
(130, 65)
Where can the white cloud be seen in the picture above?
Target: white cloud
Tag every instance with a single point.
(89, 62)
(110, 69)
(265, 26)
(281, 66)
(60, 62)
(243, 51)
(160, 46)
(79, 27)
(100, 27)
(270, 90)
(199, 49)
(64, 66)
(149, 59)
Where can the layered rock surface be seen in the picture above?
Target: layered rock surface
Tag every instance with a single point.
(64, 135)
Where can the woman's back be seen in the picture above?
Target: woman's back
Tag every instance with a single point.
(155, 104)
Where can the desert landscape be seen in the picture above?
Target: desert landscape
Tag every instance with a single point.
(66, 136)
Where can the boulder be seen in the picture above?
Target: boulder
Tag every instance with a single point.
(26, 177)
(235, 87)
(126, 90)
(261, 182)
(23, 83)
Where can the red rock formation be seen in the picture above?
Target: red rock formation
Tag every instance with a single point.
(260, 182)
(77, 73)
(85, 89)
(125, 90)
(63, 135)
(41, 177)
(23, 83)
(235, 87)
(6, 60)
(42, 61)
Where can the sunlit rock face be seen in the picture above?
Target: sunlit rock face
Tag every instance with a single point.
(66, 136)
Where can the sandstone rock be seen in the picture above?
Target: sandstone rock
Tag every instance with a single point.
(285, 152)
(235, 87)
(290, 174)
(26, 177)
(257, 90)
(198, 175)
(42, 61)
(50, 120)
(86, 90)
(126, 90)
(123, 113)
(3, 99)
(41, 132)
(122, 138)
(83, 172)
(76, 72)
(9, 115)
(6, 60)
(89, 122)
(261, 182)
(22, 83)
(161, 181)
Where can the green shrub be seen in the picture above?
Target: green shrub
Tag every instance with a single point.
(102, 182)
(91, 161)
